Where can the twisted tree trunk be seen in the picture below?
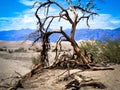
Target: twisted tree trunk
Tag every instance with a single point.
(70, 14)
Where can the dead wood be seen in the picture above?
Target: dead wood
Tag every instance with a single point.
(77, 78)
(80, 82)
(93, 84)
(102, 68)
(11, 83)
(43, 33)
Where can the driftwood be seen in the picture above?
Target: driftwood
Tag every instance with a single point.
(80, 82)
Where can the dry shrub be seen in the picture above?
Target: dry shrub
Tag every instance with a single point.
(36, 60)
(108, 51)
(21, 49)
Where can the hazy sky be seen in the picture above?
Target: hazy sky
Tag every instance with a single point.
(17, 14)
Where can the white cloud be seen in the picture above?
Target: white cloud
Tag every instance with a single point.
(25, 20)
(27, 2)
(105, 21)
(28, 20)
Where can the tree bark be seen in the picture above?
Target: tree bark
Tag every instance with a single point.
(65, 14)
(76, 48)
(78, 52)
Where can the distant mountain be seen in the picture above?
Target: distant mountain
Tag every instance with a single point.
(94, 34)
(82, 34)
(98, 34)
(15, 35)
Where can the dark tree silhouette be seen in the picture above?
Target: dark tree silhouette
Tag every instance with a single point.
(70, 14)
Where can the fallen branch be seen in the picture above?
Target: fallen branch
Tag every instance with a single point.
(93, 84)
(102, 68)
(79, 82)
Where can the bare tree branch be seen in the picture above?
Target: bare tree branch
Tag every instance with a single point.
(71, 14)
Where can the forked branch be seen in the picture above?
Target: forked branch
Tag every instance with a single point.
(73, 14)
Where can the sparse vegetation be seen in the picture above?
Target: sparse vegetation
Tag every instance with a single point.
(94, 51)
(108, 51)
(36, 60)
(3, 48)
(21, 49)
(38, 49)
(112, 51)
(10, 51)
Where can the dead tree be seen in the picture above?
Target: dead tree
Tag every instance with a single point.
(87, 10)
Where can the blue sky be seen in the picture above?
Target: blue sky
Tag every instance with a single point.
(17, 14)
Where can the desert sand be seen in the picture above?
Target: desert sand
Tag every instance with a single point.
(20, 62)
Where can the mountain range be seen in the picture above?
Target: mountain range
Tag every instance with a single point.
(80, 34)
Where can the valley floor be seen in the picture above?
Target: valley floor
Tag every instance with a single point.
(13, 63)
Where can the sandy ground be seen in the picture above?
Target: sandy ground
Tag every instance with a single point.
(10, 63)
(50, 79)
(20, 62)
